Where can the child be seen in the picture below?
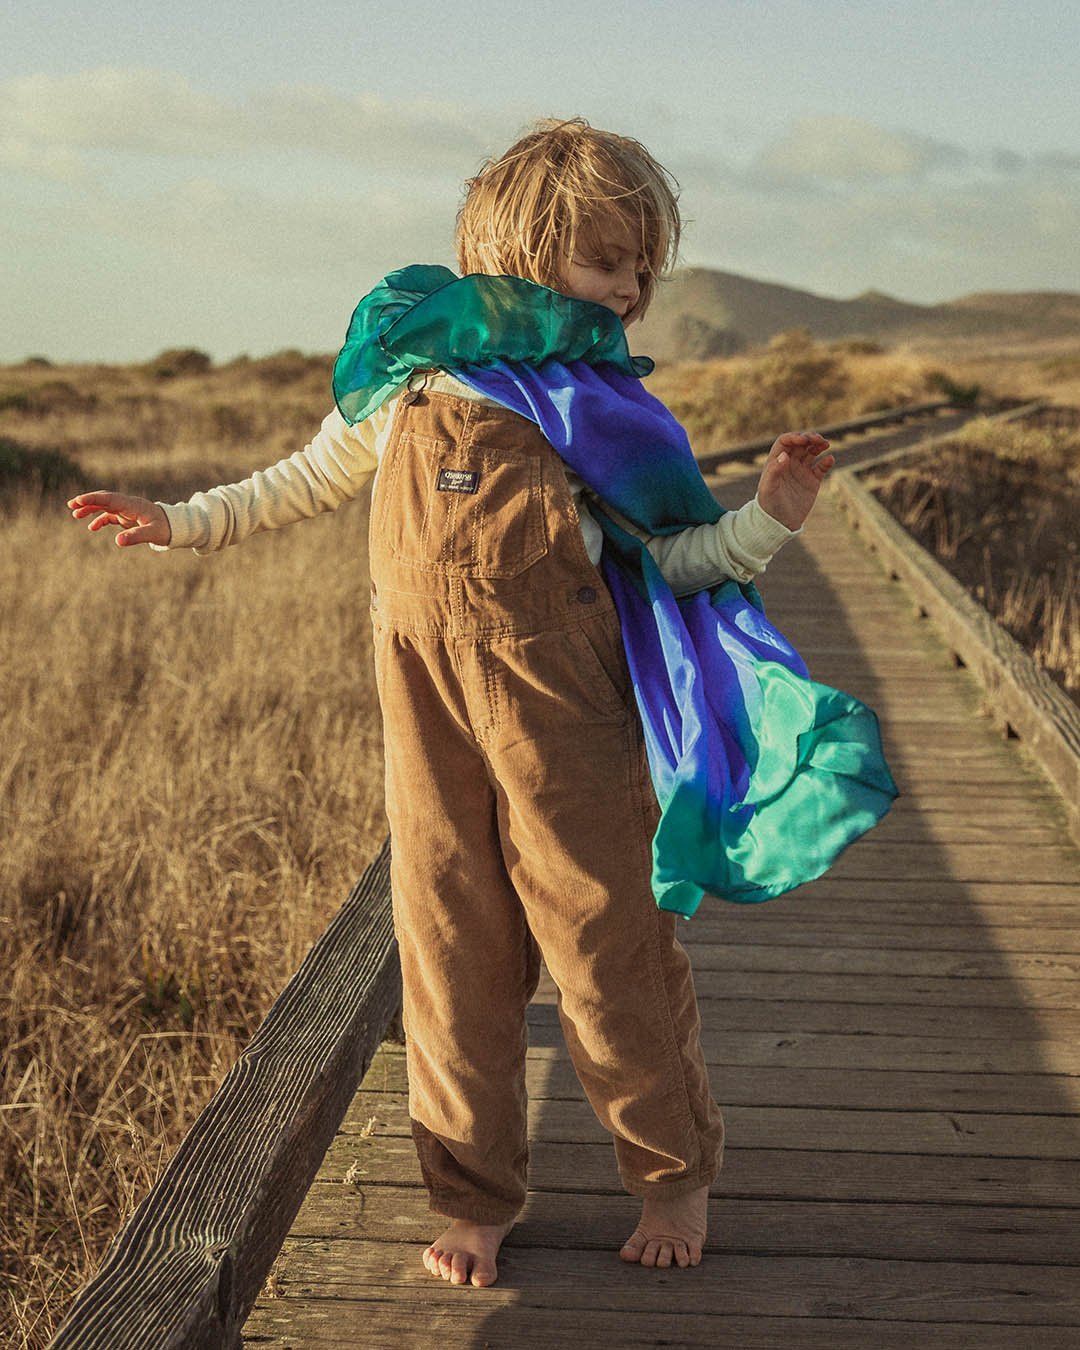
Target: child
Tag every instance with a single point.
(517, 779)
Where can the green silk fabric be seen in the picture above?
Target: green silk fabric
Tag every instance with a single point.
(424, 316)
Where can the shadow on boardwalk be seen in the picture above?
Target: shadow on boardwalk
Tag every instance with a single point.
(894, 1047)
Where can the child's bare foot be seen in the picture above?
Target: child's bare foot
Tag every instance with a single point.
(670, 1230)
(467, 1250)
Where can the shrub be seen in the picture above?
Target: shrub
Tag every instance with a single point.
(287, 367)
(176, 361)
(46, 470)
(51, 396)
(963, 395)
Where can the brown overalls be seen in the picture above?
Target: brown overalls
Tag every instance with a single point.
(521, 814)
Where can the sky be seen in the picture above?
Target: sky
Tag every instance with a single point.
(234, 176)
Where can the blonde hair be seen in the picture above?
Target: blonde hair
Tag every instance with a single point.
(525, 212)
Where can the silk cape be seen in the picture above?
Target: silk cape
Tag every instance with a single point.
(763, 775)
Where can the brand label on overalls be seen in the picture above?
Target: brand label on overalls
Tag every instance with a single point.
(458, 480)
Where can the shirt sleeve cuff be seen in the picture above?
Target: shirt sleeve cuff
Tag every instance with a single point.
(186, 525)
(764, 535)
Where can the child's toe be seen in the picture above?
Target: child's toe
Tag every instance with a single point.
(484, 1273)
(633, 1246)
(459, 1268)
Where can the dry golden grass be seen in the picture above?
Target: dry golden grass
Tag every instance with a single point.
(1051, 372)
(791, 383)
(190, 761)
(998, 505)
(190, 781)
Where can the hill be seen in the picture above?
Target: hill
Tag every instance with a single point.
(700, 313)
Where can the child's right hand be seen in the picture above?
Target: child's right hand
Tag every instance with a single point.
(140, 521)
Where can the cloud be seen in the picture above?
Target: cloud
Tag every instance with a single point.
(220, 230)
(931, 239)
(54, 162)
(838, 206)
(147, 111)
(153, 112)
(847, 149)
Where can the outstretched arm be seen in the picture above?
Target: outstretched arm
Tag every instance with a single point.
(140, 521)
(792, 475)
(330, 470)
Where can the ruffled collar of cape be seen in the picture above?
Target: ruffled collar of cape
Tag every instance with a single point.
(561, 362)
(425, 315)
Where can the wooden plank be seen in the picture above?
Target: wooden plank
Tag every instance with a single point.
(954, 864)
(909, 827)
(1016, 789)
(321, 1324)
(720, 1017)
(943, 1056)
(948, 991)
(794, 1174)
(911, 1291)
(956, 967)
(186, 1269)
(861, 1131)
(897, 900)
(765, 1227)
(983, 938)
(550, 1076)
(962, 862)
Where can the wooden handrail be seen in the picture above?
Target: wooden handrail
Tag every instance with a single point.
(836, 431)
(187, 1268)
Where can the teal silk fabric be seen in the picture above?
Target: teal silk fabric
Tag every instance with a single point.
(763, 776)
(424, 316)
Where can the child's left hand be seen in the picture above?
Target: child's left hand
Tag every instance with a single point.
(792, 475)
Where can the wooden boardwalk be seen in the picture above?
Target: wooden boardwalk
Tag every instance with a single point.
(895, 1047)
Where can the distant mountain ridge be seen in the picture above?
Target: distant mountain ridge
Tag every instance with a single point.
(701, 313)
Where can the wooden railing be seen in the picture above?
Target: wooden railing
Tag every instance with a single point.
(836, 431)
(1022, 699)
(187, 1268)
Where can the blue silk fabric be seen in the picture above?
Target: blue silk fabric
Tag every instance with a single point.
(763, 776)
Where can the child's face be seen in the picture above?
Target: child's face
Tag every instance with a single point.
(606, 268)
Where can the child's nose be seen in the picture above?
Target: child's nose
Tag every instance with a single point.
(628, 285)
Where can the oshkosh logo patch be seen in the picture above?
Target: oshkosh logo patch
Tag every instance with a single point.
(458, 480)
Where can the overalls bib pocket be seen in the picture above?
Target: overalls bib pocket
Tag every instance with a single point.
(476, 512)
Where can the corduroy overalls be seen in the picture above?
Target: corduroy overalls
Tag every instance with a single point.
(521, 815)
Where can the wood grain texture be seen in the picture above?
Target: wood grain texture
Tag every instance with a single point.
(777, 1286)
(187, 1268)
(550, 1077)
(299, 1323)
(888, 1232)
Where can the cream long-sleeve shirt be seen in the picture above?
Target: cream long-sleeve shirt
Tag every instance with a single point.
(341, 459)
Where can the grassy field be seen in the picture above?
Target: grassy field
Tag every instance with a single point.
(190, 755)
